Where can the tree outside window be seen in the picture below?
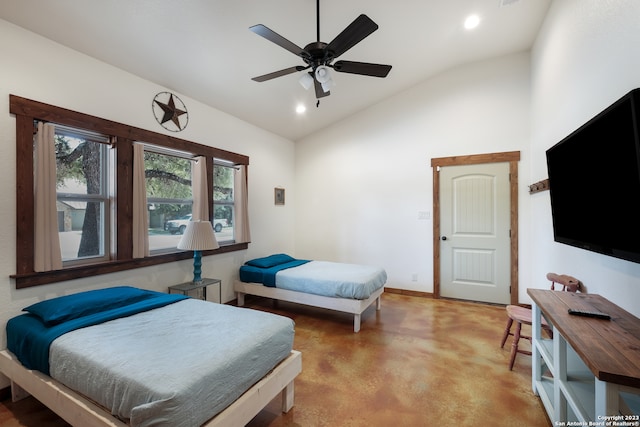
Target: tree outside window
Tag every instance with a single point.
(83, 201)
(169, 198)
(223, 201)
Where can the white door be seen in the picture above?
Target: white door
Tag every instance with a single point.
(474, 232)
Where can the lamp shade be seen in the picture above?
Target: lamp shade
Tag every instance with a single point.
(198, 236)
(306, 80)
(322, 74)
(324, 78)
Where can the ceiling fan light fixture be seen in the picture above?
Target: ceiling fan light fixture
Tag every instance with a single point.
(306, 80)
(322, 74)
(324, 78)
(326, 86)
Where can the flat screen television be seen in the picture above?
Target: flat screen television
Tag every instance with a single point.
(594, 182)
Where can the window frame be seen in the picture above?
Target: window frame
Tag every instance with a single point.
(149, 148)
(105, 197)
(224, 164)
(124, 136)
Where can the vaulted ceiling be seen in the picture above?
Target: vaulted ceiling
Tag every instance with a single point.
(203, 48)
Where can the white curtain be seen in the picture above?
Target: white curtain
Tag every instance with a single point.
(47, 255)
(241, 200)
(140, 228)
(199, 187)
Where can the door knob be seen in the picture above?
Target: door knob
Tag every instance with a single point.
(444, 237)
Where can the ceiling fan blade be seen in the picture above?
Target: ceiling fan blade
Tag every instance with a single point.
(276, 38)
(364, 68)
(280, 73)
(360, 28)
(320, 93)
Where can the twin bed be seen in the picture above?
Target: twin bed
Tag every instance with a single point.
(125, 356)
(349, 288)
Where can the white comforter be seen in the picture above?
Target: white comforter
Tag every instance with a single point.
(178, 365)
(332, 279)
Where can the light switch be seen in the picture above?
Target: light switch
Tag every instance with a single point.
(424, 215)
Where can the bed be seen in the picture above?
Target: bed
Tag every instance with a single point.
(349, 288)
(124, 356)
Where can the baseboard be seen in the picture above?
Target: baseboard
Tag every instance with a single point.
(387, 290)
(410, 293)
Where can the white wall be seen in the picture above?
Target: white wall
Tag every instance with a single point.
(38, 69)
(361, 183)
(586, 57)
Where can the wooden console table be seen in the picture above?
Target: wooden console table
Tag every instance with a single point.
(597, 375)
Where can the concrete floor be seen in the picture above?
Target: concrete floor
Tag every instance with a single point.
(417, 362)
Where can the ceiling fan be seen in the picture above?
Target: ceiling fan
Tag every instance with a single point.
(319, 56)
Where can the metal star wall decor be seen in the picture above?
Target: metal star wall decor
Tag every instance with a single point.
(170, 111)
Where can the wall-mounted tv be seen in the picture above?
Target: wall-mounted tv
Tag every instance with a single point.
(594, 182)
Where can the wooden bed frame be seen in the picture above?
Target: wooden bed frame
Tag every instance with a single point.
(79, 411)
(354, 306)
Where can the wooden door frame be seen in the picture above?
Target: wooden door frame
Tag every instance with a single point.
(513, 157)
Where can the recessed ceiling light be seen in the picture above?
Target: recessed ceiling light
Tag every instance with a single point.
(471, 22)
(301, 109)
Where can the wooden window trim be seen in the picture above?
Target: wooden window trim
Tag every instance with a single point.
(26, 112)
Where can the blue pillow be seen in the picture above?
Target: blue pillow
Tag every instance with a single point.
(270, 261)
(58, 310)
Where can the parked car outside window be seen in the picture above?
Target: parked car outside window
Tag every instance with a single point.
(178, 225)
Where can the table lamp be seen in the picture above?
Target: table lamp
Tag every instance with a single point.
(198, 237)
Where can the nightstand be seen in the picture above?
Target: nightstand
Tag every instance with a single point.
(197, 290)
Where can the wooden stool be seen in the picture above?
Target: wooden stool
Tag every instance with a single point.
(522, 315)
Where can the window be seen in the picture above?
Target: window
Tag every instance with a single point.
(169, 197)
(95, 205)
(223, 201)
(83, 195)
